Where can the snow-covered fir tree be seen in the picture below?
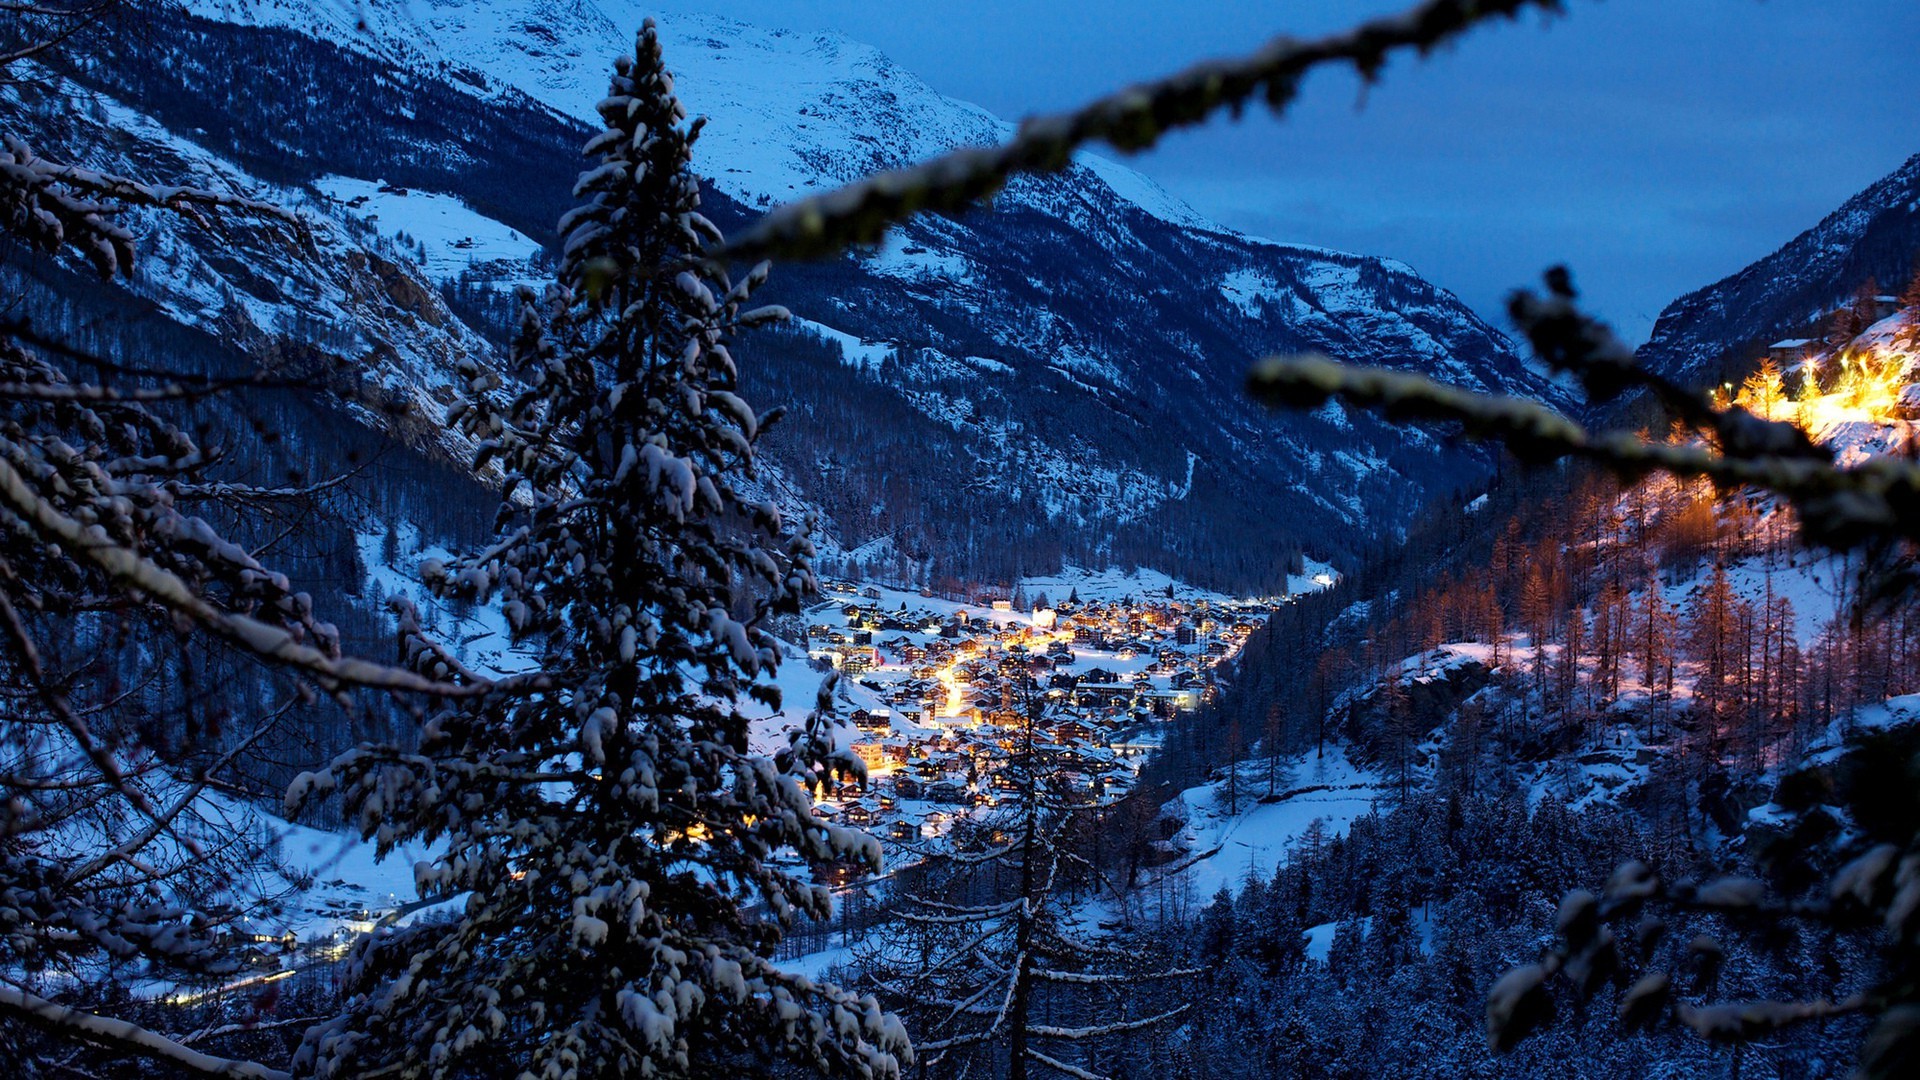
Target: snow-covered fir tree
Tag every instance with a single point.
(606, 832)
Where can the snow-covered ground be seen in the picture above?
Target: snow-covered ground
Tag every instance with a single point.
(1320, 938)
(1257, 838)
(865, 355)
(452, 237)
(1116, 584)
(476, 633)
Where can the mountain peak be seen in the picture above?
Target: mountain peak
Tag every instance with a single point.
(796, 111)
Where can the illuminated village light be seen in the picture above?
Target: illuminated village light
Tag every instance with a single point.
(1866, 389)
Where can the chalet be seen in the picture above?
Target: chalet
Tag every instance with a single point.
(1790, 351)
(947, 791)
(1167, 702)
(1185, 634)
(1098, 694)
(871, 754)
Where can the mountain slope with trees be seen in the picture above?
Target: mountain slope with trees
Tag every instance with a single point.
(1062, 371)
(1868, 243)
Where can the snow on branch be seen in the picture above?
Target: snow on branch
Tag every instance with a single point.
(122, 1035)
(1130, 120)
(1096, 1031)
(56, 206)
(1054, 1063)
(155, 582)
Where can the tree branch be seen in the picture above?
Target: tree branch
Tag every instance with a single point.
(125, 1036)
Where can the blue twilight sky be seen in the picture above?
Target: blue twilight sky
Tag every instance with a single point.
(1653, 145)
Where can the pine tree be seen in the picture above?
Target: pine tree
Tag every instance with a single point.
(1762, 390)
(1656, 641)
(609, 826)
(1712, 643)
(1852, 319)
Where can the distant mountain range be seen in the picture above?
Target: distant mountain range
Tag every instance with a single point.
(980, 397)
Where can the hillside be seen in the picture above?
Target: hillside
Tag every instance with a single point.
(1567, 674)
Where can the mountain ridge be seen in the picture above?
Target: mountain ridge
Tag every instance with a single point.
(1071, 362)
(1875, 234)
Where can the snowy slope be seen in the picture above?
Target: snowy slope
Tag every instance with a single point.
(339, 305)
(452, 237)
(795, 110)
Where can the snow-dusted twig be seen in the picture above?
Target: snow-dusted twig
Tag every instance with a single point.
(135, 572)
(125, 1036)
(1051, 1062)
(1097, 1030)
(1840, 506)
(55, 206)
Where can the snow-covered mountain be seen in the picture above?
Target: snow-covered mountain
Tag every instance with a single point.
(1873, 235)
(980, 396)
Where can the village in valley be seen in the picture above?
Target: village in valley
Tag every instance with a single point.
(938, 691)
